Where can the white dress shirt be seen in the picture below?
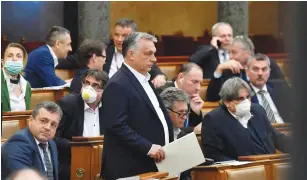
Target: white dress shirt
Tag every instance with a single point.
(55, 58)
(176, 133)
(221, 56)
(117, 62)
(91, 125)
(16, 103)
(242, 120)
(269, 99)
(153, 99)
(42, 153)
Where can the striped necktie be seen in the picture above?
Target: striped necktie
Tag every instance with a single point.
(48, 165)
(267, 107)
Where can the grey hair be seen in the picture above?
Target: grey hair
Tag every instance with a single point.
(49, 106)
(259, 57)
(125, 22)
(131, 41)
(246, 43)
(216, 26)
(54, 34)
(173, 94)
(231, 88)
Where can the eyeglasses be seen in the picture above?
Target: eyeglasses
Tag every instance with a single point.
(103, 56)
(95, 86)
(180, 114)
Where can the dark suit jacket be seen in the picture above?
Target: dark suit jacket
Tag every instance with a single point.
(155, 70)
(208, 59)
(194, 119)
(76, 84)
(281, 95)
(21, 151)
(71, 124)
(132, 126)
(39, 70)
(224, 138)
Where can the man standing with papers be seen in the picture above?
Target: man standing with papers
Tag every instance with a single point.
(136, 122)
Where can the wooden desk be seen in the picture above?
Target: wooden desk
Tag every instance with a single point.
(22, 116)
(217, 172)
(86, 157)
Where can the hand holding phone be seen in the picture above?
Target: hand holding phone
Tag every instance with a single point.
(216, 42)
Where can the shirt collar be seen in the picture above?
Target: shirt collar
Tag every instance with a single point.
(141, 78)
(86, 106)
(37, 142)
(176, 131)
(176, 86)
(257, 89)
(55, 58)
(243, 120)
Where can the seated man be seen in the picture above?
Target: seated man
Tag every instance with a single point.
(238, 127)
(241, 50)
(176, 102)
(188, 79)
(209, 57)
(39, 70)
(82, 116)
(33, 147)
(90, 55)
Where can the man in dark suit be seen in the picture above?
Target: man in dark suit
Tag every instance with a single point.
(39, 70)
(241, 51)
(82, 116)
(33, 147)
(115, 59)
(209, 57)
(238, 127)
(136, 121)
(273, 95)
(90, 55)
(189, 79)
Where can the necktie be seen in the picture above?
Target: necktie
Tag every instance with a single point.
(243, 75)
(48, 165)
(186, 122)
(267, 107)
(224, 53)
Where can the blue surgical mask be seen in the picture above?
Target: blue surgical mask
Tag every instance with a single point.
(13, 67)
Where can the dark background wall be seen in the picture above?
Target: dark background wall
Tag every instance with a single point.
(30, 19)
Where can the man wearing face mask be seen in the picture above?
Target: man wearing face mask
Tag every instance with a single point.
(238, 127)
(82, 116)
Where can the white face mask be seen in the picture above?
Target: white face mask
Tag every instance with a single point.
(89, 95)
(243, 108)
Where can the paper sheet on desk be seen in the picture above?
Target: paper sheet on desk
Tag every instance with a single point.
(181, 155)
(53, 87)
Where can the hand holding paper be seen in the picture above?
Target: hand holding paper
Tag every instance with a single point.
(181, 155)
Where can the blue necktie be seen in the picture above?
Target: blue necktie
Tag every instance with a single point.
(243, 75)
(48, 165)
(186, 122)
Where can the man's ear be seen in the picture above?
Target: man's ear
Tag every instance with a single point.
(57, 43)
(130, 54)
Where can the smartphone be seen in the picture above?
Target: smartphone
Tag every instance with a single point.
(219, 44)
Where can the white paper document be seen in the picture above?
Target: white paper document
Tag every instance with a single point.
(181, 155)
(233, 163)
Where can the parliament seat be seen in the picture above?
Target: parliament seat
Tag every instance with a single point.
(9, 128)
(65, 73)
(41, 95)
(246, 173)
(281, 170)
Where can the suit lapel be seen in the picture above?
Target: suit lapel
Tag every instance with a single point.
(110, 52)
(80, 112)
(139, 88)
(101, 121)
(259, 130)
(54, 158)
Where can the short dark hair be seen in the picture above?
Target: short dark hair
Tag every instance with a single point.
(87, 49)
(98, 75)
(125, 22)
(54, 34)
(49, 106)
(187, 67)
(259, 57)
